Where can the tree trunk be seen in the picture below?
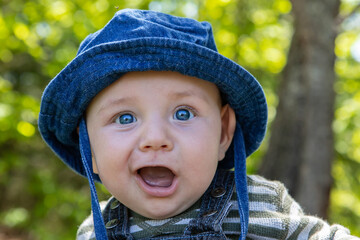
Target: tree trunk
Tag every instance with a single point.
(300, 151)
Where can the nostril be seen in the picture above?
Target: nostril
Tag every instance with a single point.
(165, 146)
(155, 144)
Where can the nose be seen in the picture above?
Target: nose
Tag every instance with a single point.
(156, 136)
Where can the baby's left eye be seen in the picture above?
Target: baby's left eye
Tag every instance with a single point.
(183, 114)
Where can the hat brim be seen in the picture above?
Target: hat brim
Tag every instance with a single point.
(66, 97)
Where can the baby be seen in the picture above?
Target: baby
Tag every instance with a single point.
(149, 108)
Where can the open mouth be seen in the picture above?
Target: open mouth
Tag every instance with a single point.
(157, 176)
(157, 181)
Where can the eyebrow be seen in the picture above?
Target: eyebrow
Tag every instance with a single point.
(188, 93)
(199, 95)
(116, 102)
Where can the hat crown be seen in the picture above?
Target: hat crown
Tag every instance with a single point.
(131, 24)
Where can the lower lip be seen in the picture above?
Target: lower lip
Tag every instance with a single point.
(157, 191)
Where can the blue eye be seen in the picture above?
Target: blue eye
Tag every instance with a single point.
(183, 114)
(126, 118)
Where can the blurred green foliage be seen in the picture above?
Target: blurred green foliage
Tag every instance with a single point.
(42, 199)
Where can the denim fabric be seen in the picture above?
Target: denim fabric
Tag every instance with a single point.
(86, 158)
(241, 181)
(203, 227)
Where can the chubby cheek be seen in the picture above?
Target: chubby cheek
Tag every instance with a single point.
(203, 152)
(111, 152)
(206, 139)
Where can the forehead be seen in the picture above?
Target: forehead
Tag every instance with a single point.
(133, 85)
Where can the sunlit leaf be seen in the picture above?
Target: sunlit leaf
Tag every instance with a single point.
(26, 129)
(343, 44)
(21, 31)
(283, 6)
(15, 217)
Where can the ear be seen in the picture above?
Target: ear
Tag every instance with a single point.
(228, 124)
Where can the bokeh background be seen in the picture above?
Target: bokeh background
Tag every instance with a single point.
(40, 198)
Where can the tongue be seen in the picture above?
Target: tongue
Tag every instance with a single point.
(157, 176)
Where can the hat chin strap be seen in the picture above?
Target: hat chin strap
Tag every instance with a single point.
(241, 180)
(86, 158)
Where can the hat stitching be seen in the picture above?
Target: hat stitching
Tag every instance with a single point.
(258, 102)
(228, 63)
(98, 50)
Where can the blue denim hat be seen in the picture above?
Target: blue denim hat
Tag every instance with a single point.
(137, 40)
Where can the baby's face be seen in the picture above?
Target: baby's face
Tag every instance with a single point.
(156, 139)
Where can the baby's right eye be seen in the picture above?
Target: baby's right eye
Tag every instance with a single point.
(126, 118)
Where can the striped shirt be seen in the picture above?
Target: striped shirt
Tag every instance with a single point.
(273, 214)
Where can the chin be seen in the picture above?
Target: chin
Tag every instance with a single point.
(159, 215)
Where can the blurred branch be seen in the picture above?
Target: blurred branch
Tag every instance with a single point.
(341, 19)
(354, 164)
